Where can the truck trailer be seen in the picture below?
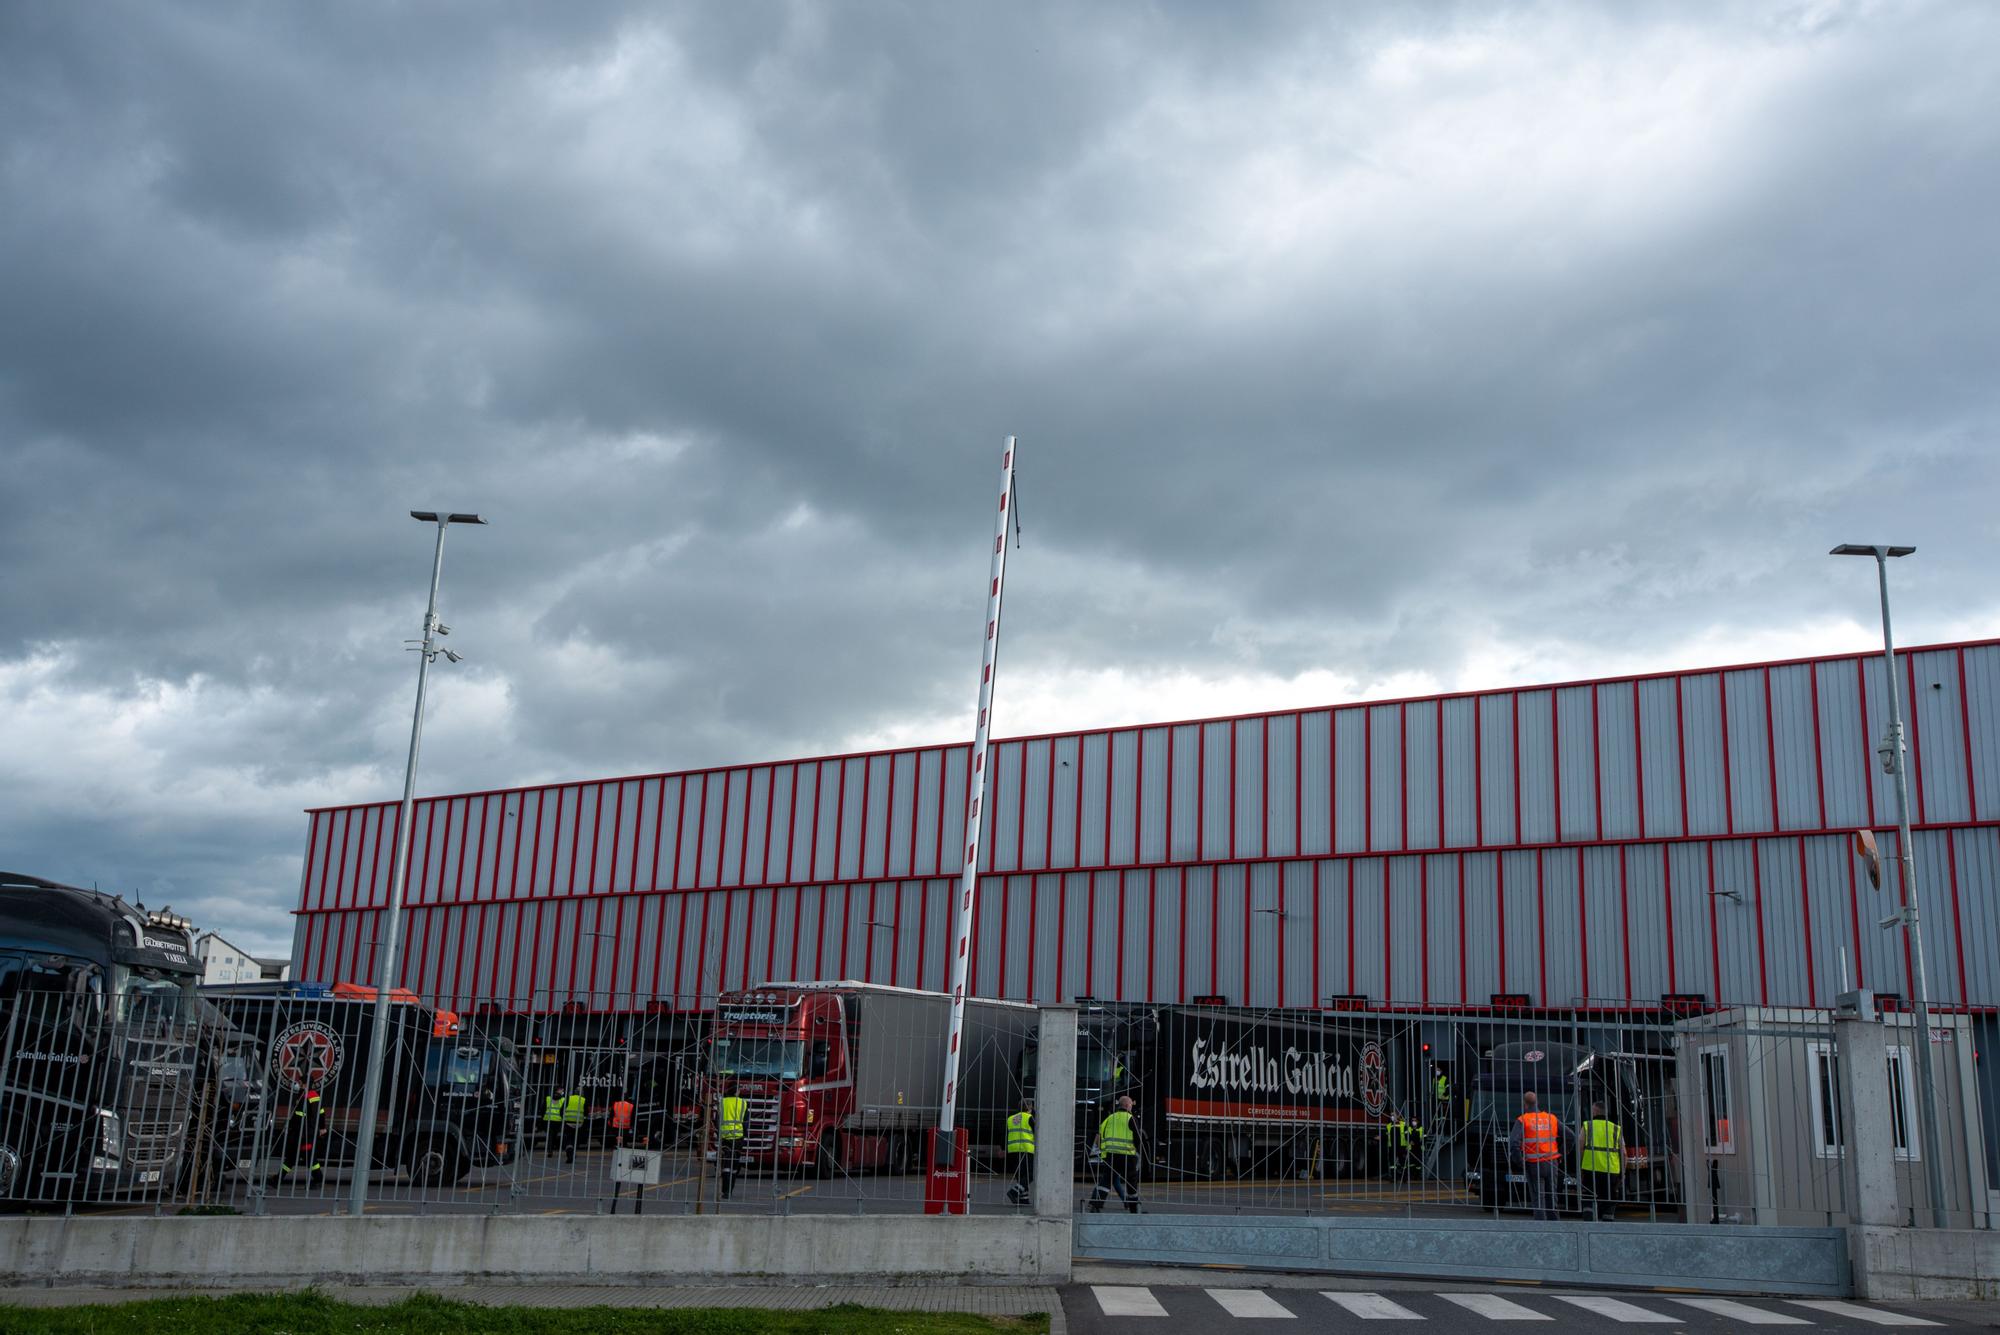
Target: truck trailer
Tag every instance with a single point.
(840, 1077)
(450, 1101)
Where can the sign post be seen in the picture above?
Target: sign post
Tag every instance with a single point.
(945, 1187)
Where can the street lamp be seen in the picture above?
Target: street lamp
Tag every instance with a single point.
(427, 649)
(1895, 761)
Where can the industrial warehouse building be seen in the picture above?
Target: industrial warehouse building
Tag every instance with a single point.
(1600, 843)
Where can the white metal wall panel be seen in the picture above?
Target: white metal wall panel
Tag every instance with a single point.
(1284, 793)
(1982, 707)
(1461, 772)
(1383, 777)
(1750, 745)
(1937, 717)
(1795, 750)
(1535, 757)
(1123, 797)
(1619, 777)
(1350, 779)
(1575, 762)
(1978, 863)
(1419, 817)
(1314, 801)
(1660, 756)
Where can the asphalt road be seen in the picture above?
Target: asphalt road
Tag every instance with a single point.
(1322, 1305)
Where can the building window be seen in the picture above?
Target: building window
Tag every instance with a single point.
(1717, 1135)
(1829, 1135)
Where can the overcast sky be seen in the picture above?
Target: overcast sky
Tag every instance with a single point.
(1352, 350)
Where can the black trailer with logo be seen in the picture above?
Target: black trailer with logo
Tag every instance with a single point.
(450, 1101)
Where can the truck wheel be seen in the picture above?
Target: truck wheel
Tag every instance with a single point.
(827, 1157)
(1208, 1159)
(438, 1166)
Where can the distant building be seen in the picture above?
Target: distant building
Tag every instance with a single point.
(223, 963)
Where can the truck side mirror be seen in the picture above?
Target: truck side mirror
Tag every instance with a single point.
(821, 1052)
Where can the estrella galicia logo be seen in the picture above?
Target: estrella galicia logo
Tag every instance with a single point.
(1374, 1078)
(306, 1056)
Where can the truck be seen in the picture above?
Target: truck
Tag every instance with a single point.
(99, 1054)
(840, 1077)
(1566, 1078)
(450, 1101)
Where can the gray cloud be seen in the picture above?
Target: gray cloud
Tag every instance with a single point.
(1362, 342)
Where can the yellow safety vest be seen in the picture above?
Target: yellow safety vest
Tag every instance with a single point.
(1443, 1088)
(572, 1113)
(1021, 1133)
(1604, 1145)
(1116, 1136)
(734, 1110)
(552, 1109)
(1404, 1133)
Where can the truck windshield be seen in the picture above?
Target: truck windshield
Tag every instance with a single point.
(454, 1065)
(759, 1056)
(149, 999)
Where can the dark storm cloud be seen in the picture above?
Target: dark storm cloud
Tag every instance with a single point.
(1359, 343)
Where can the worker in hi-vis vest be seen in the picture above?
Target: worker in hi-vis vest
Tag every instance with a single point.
(621, 1120)
(1601, 1161)
(302, 1145)
(732, 1113)
(1118, 1158)
(1402, 1144)
(562, 1121)
(1537, 1146)
(1021, 1151)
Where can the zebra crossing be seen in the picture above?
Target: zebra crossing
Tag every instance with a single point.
(1335, 1310)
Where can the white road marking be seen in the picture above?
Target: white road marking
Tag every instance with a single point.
(1372, 1307)
(1250, 1303)
(1493, 1307)
(1855, 1312)
(1748, 1315)
(1616, 1309)
(1118, 1301)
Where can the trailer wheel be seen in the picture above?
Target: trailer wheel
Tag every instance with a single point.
(1208, 1159)
(439, 1165)
(10, 1171)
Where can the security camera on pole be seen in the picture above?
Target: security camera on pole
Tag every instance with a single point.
(427, 649)
(945, 1185)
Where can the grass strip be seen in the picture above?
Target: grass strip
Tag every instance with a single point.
(311, 1313)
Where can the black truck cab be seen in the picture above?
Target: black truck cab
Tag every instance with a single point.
(99, 1059)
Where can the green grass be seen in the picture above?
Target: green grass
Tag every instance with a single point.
(313, 1314)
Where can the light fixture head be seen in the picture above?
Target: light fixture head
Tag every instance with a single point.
(1869, 549)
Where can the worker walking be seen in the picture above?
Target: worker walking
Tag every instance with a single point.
(1601, 1161)
(562, 1122)
(1402, 1145)
(732, 1111)
(1021, 1150)
(621, 1121)
(1537, 1144)
(302, 1145)
(1117, 1158)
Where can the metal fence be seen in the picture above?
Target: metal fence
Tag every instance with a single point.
(821, 1097)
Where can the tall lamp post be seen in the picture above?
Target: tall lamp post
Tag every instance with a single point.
(1895, 761)
(427, 649)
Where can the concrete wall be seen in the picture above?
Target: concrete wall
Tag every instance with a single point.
(1916, 1265)
(251, 1252)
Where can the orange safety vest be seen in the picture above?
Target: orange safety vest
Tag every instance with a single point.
(1538, 1137)
(621, 1116)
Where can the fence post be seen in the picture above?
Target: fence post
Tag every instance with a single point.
(1055, 1113)
(1868, 1152)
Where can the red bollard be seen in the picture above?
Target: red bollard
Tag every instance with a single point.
(948, 1175)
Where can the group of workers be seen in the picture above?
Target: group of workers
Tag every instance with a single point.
(1538, 1144)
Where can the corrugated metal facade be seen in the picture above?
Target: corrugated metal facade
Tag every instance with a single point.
(1592, 842)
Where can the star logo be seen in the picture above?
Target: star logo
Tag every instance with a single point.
(1374, 1079)
(306, 1055)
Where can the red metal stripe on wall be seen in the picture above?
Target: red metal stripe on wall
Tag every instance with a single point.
(1168, 850)
(840, 823)
(1639, 759)
(1298, 786)
(1667, 896)
(1368, 781)
(1771, 752)
(1819, 751)
(1757, 891)
(1201, 792)
(1596, 766)
(1957, 922)
(1728, 766)
(1479, 778)
(1965, 735)
(1333, 780)
(1541, 929)
(1110, 769)
(1514, 703)
(1556, 760)
(722, 827)
(1681, 758)
(1805, 921)
(1583, 925)
(1403, 776)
